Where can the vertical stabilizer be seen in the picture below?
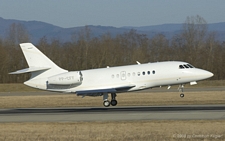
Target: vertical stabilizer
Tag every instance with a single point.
(40, 66)
(35, 58)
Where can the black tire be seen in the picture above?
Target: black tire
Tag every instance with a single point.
(181, 95)
(113, 102)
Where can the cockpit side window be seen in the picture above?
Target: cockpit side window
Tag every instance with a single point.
(181, 67)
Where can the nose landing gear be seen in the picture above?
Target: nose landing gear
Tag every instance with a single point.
(181, 89)
(182, 95)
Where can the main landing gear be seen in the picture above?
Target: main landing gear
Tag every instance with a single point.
(106, 102)
(181, 89)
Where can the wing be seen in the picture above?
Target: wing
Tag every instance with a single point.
(98, 92)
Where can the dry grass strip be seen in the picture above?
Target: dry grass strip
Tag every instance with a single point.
(15, 87)
(206, 130)
(126, 99)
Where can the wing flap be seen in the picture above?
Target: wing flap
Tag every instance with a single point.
(30, 69)
(86, 92)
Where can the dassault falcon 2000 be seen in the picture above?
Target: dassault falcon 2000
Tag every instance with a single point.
(46, 75)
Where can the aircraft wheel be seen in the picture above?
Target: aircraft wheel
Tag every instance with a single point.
(181, 95)
(113, 102)
(106, 103)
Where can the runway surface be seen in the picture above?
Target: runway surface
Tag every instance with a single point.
(178, 112)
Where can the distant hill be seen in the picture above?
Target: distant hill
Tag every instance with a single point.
(39, 29)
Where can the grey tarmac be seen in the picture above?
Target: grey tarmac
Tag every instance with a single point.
(74, 114)
(177, 112)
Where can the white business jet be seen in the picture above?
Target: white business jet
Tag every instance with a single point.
(46, 75)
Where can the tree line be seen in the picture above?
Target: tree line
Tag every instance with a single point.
(195, 45)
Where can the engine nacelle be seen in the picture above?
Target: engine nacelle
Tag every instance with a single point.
(68, 78)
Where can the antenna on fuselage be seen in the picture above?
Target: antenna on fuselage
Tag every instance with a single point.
(138, 63)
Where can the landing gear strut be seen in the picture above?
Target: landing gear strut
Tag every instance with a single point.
(106, 102)
(181, 89)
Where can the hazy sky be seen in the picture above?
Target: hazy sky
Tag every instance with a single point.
(118, 13)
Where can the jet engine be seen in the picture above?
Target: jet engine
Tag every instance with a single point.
(68, 78)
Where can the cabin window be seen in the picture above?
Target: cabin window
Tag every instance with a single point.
(128, 74)
(153, 72)
(143, 73)
(117, 75)
(138, 73)
(112, 76)
(133, 73)
(148, 72)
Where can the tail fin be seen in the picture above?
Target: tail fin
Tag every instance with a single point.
(36, 60)
(40, 66)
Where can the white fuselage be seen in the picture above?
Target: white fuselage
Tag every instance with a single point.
(140, 76)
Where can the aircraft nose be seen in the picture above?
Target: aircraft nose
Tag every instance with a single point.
(210, 74)
(207, 74)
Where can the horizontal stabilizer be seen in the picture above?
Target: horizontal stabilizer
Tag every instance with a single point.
(31, 69)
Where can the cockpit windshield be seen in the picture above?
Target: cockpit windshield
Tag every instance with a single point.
(185, 66)
(190, 66)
